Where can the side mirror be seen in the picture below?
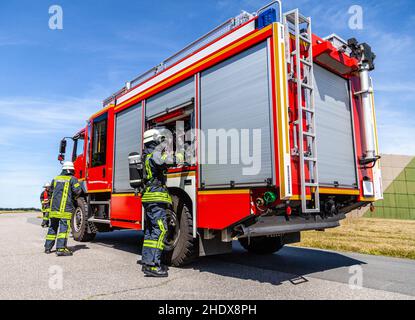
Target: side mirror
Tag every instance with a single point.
(62, 150)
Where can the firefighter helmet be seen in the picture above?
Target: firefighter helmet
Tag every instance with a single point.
(157, 135)
(46, 185)
(68, 166)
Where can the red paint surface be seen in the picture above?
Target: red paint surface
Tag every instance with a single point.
(218, 211)
(127, 208)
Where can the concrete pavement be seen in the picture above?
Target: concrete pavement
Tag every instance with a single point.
(106, 269)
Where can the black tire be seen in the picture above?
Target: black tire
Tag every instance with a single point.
(181, 248)
(81, 230)
(262, 245)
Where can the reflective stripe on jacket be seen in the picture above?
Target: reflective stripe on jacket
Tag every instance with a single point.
(156, 168)
(65, 189)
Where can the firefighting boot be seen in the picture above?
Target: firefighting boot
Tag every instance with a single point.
(48, 251)
(64, 252)
(155, 272)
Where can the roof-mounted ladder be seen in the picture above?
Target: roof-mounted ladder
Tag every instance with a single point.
(302, 73)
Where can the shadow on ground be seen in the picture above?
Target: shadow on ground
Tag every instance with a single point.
(290, 264)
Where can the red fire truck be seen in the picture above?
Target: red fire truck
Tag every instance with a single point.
(308, 105)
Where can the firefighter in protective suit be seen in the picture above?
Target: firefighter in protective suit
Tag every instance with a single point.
(45, 200)
(65, 189)
(156, 199)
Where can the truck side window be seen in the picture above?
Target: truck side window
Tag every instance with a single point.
(78, 149)
(99, 142)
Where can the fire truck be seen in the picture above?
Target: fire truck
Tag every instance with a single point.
(294, 111)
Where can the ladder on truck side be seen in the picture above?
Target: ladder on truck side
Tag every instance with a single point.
(302, 74)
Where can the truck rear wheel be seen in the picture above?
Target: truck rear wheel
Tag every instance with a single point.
(180, 246)
(262, 245)
(80, 226)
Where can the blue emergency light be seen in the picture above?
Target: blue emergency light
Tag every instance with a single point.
(266, 18)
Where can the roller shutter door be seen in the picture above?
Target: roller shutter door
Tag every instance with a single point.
(335, 147)
(170, 98)
(235, 95)
(127, 140)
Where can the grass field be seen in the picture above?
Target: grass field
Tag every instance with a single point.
(4, 212)
(393, 238)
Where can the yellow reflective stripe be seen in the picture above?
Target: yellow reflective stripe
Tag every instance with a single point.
(65, 178)
(150, 241)
(77, 185)
(148, 168)
(51, 237)
(64, 197)
(61, 215)
(160, 243)
(62, 235)
(156, 195)
(152, 246)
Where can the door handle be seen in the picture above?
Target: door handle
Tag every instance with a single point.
(103, 172)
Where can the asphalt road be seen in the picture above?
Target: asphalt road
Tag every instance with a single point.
(106, 269)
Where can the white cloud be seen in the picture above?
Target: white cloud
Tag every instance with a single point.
(30, 129)
(22, 117)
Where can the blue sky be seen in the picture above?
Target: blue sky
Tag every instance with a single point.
(52, 80)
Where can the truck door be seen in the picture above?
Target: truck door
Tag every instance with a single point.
(98, 177)
(78, 155)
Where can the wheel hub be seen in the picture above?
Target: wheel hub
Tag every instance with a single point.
(173, 232)
(78, 220)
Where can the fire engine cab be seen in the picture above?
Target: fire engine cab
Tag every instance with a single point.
(280, 137)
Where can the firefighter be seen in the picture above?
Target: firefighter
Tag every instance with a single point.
(64, 189)
(156, 199)
(45, 200)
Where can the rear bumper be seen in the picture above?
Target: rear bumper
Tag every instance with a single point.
(278, 225)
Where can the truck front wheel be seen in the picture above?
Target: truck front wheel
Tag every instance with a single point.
(180, 246)
(262, 245)
(80, 226)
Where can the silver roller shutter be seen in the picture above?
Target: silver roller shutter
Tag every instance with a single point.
(335, 147)
(127, 140)
(235, 95)
(170, 98)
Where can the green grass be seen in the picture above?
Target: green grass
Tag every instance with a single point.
(385, 237)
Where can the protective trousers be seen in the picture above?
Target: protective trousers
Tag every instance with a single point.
(154, 234)
(61, 238)
(45, 212)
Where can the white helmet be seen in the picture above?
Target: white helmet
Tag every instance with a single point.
(68, 166)
(155, 135)
(46, 185)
